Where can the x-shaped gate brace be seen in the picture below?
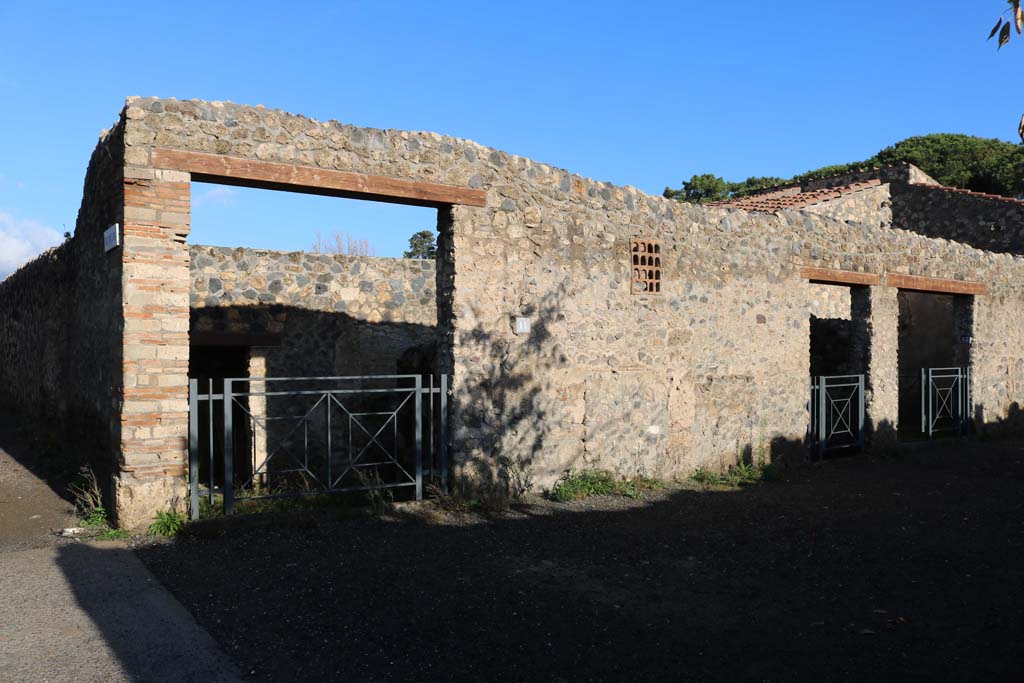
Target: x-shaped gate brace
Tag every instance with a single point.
(329, 398)
(837, 412)
(945, 400)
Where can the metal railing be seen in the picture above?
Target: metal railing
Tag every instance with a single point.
(945, 401)
(292, 436)
(836, 412)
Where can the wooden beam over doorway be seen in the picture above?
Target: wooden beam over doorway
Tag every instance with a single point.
(839, 277)
(935, 284)
(228, 170)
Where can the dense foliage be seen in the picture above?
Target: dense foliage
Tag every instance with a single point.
(973, 163)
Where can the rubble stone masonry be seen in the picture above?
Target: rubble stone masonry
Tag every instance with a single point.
(712, 367)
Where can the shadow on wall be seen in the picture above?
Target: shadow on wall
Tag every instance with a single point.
(504, 414)
(1008, 426)
(526, 408)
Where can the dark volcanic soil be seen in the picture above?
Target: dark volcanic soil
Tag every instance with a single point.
(854, 570)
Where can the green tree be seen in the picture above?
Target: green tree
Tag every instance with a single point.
(755, 184)
(973, 163)
(701, 188)
(422, 245)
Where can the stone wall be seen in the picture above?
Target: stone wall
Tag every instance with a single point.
(871, 206)
(61, 326)
(716, 362)
(334, 315)
(697, 375)
(984, 222)
(34, 309)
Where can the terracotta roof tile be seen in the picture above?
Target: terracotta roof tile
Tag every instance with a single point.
(792, 198)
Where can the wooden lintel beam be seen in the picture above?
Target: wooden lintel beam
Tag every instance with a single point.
(935, 284)
(840, 277)
(273, 175)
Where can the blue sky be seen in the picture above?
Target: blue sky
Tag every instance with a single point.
(638, 93)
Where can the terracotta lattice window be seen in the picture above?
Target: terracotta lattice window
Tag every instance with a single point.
(646, 277)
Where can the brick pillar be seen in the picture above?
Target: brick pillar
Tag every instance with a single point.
(156, 283)
(875, 312)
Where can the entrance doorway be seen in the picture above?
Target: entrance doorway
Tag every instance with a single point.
(935, 336)
(209, 365)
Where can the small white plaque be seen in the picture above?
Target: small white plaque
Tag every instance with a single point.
(111, 237)
(522, 325)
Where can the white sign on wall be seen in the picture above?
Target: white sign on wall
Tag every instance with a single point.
(111, 237)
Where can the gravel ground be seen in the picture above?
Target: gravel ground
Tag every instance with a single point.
(852, 570)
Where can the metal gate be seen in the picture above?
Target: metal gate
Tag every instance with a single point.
(255, 438)
(945, 401)
(837, 413)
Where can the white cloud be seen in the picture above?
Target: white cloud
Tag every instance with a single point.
(215, 196)
(21, 240)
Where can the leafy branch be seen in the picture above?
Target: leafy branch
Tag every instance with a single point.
(1003, 26)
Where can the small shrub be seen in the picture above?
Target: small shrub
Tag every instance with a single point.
(167, 524)
(580, 484)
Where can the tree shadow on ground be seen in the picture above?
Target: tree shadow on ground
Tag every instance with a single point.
(851, 570)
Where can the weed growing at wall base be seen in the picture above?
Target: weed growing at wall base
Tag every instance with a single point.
(490, 498)
(167, 523)
(742, 474)
(580, 484)
(88, 499)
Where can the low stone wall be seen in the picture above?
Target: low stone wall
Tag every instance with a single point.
(334, 315)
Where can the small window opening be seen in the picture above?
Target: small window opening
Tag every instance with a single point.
(646, 272)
